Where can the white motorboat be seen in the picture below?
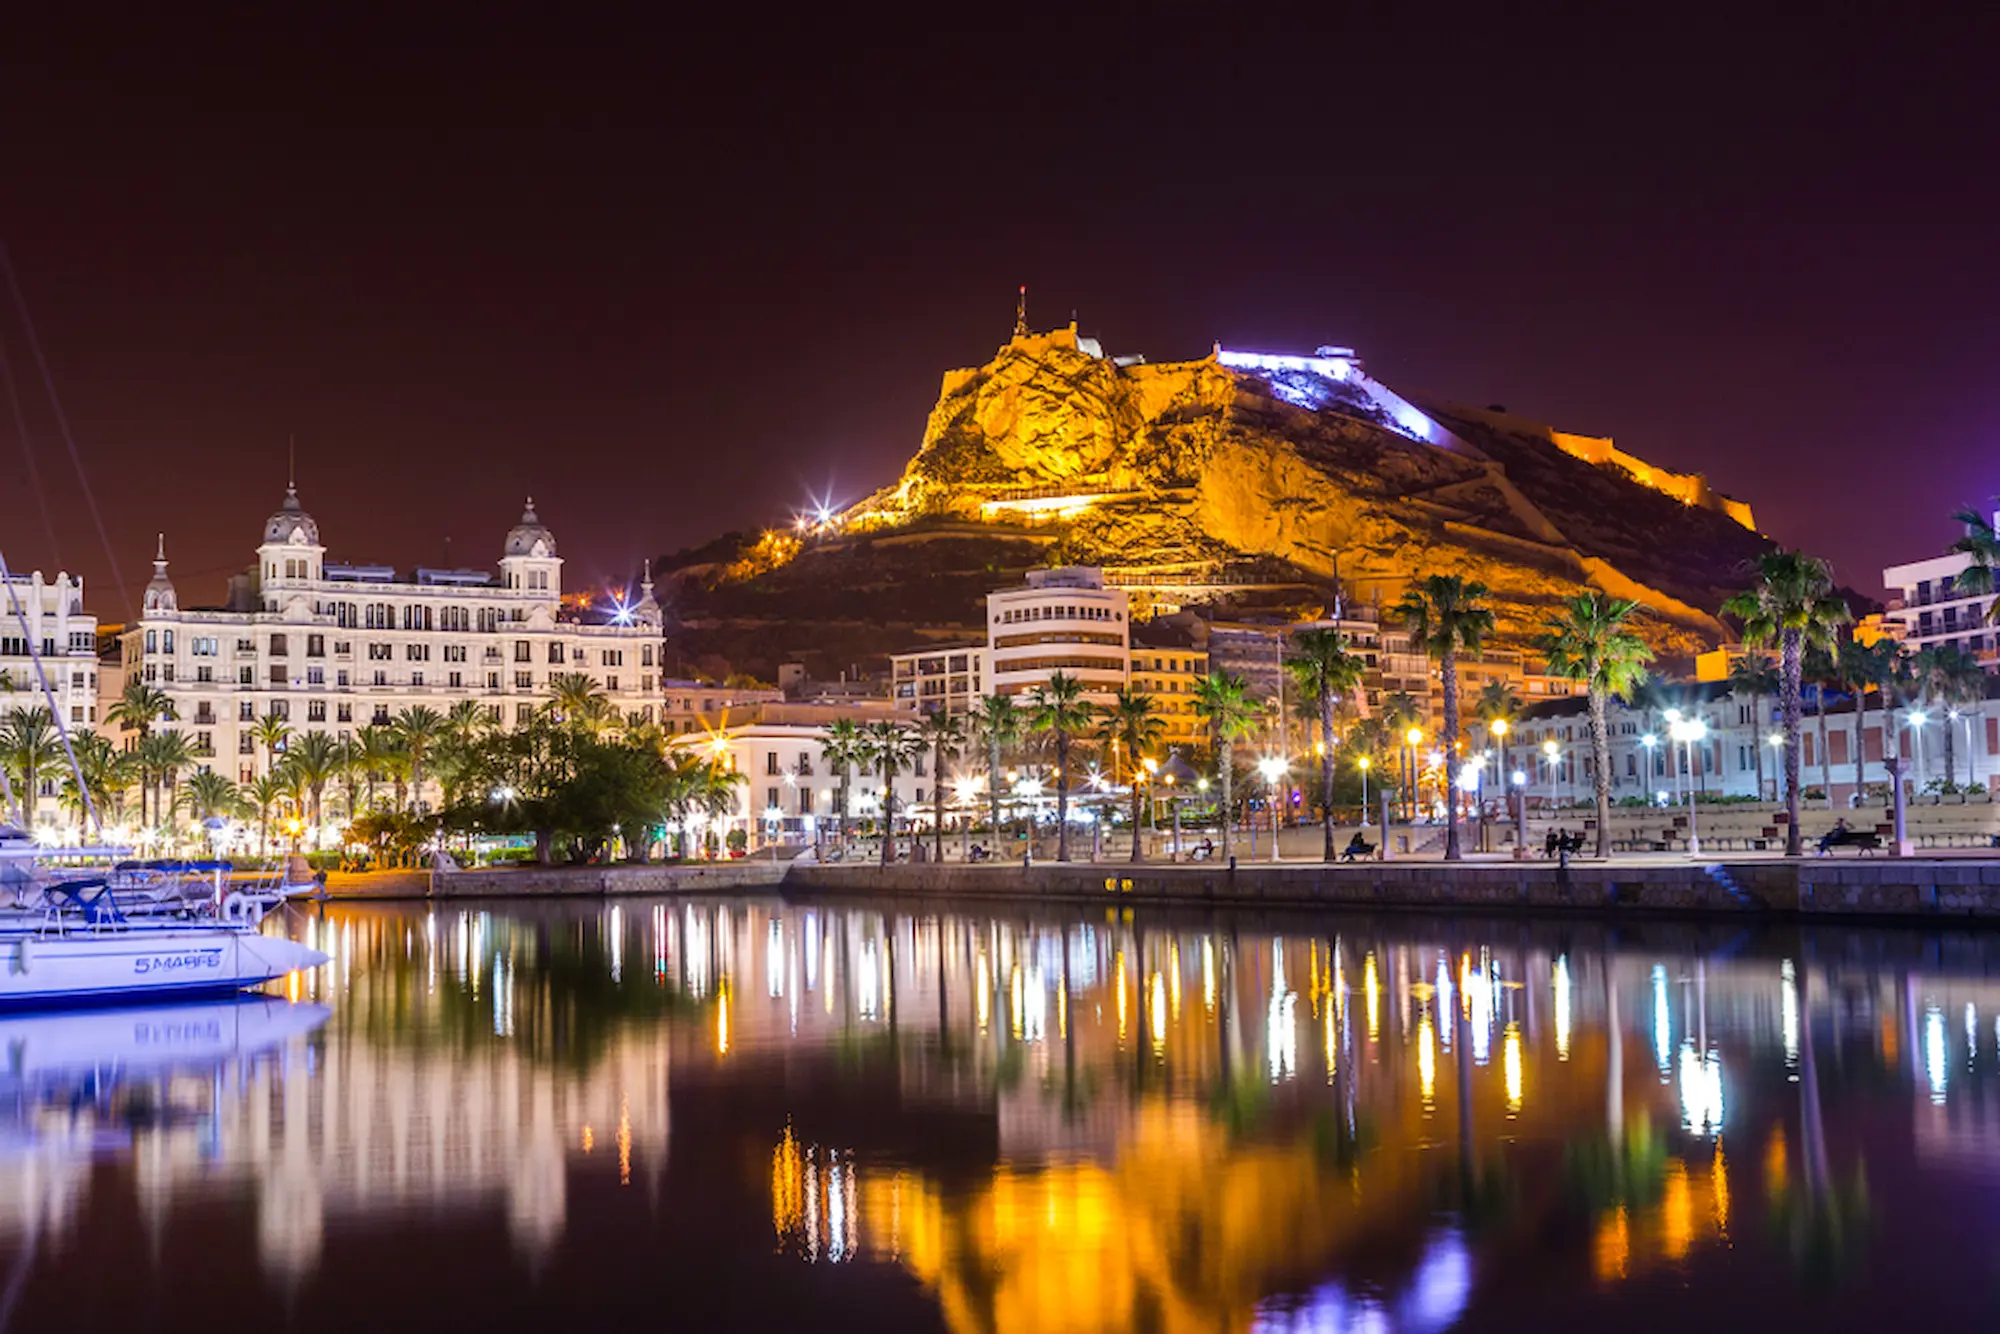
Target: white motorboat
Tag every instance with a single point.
(67, 939)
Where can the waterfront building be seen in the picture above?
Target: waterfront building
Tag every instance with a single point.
(61, 633)
(1927, 608)
(791, 792)
(335, 646)
(945, 678)
(687, 707)
(1061, 620)
(1167, 665)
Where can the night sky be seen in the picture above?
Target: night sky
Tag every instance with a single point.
(673, 280)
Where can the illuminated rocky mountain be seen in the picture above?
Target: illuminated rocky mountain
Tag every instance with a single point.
(1252, 478)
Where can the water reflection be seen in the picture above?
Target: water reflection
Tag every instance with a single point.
(1066, 1121)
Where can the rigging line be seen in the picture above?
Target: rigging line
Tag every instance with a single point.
(62, 418)
(49, 694)
(28, 453)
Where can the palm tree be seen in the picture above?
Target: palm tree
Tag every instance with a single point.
(945, 735)
(465, 721)
(271, 732)
(417, 729)
(1755, 678)
(347, 768)
(575, 697)
(31, 748)
(139, 706)
(162, 756)
(1223, 699)
(316, 761)
(892, 746)
(1949, 676)
(1325, 672)
(262, 794)
(375, 753)
(1861, 667)
(1447, 615)
(1060, 709)
(207, 795)
(999, 725)
(1496, 702)
(1589, 642)
(98, 762)
(1793, 606)
(1982, 545)
(1131, 725)
(844, 750)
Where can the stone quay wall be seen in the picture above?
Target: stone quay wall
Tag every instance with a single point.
(513, 882)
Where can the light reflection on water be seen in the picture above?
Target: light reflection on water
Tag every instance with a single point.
(1018, 1120)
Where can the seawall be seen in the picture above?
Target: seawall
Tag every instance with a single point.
(1876, 888)
(558, 881)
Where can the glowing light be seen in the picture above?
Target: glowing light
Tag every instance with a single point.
(982, 987)
(1427, 1060)
(1415, 736)
(1936, 1064)
(1662, 1022)
(1510, 1066)
(1118, 963)
(1562, 987)
(1159, 1017)
(1281, 1037)
(1788, 1016)
(1371, 988)
(722, 1018)
(1208, 976)
(1701, 1090)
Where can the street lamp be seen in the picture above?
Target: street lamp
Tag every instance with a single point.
(1520, 815)
(1776, 741)
(1363, 762)
(1499, 729)
(1415, 738)
(1273, 767)
(1688, 731)
(1917, 719)
(1550, 751)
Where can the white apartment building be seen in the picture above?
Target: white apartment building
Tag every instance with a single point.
(1925, 600)
(61, 633)
(948, 678)
(1061, 620)
(792, 793)
(334, 647)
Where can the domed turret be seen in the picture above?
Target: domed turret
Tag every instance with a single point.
(291, 525)
(530, 537)
(160, 589)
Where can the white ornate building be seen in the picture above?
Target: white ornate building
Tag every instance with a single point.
(335, 647)
(61, 634)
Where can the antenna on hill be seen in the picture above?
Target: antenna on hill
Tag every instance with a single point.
(291, 461)
(1021, 314)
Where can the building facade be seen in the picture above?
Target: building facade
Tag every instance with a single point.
(1931, 610)
(1062, 620)
(47, 616)
(334, 647)
(688, 707)
(1167, 665)
(949, 679)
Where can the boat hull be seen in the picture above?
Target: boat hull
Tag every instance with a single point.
(141, 963)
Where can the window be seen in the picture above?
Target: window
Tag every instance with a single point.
(456, 680)
(344, 713)
(417, 652)
(646, 655)
(492, 680)
(204, 673)
(203, 646)
(315, 646)
(524, 680)
(315, 676)
(454, 618)
(344, 615)
(523, 651)
(315, 710)
(277, 673)
(340, 678)
(244, 675)
(523, 713)
(610, 683)
(277, 645)
(489, 620)
(166, 643)
(771, 764)
(204, 714)
(281, 709)
(493, 714)
(246, 712)
(378, 652)
(381, 677)
(343, 648)
(613, 658)
(555, 655)
(454, 653)
(381, 718)
(246, 744)
(416, 678)
(805, 767)
(416, 617)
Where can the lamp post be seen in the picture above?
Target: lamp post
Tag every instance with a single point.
(1917, 720)
(1688, 731)
(1469, 775)
(1673, 717)
(1550, 752)
(1273, 767)
(1363, 762)
(1499, 729)
(1520, 815)
(1776, 741)
(1413, 738)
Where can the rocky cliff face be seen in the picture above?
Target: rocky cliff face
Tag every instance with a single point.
(1235, 460)
(1236, 476)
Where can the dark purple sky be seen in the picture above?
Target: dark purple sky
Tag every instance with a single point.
(672, 280)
